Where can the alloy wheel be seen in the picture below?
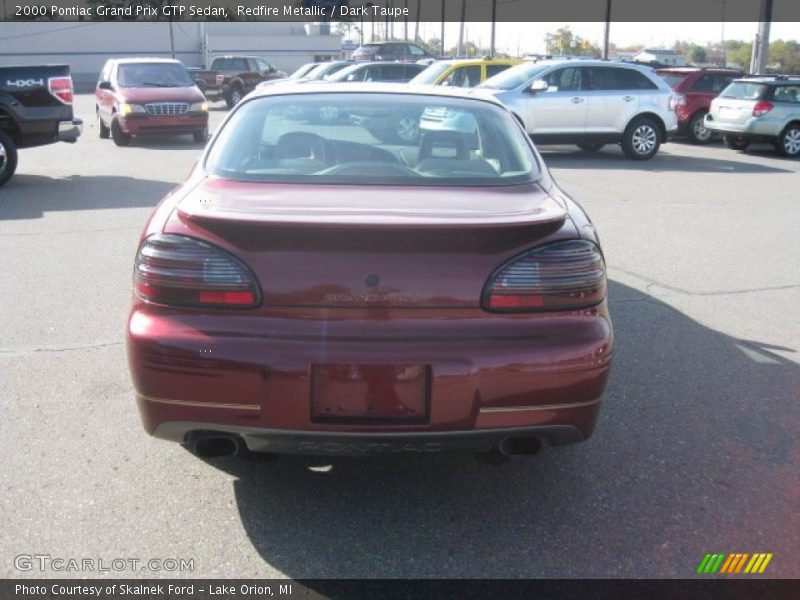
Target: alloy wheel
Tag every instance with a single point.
(644, 139)
(791, 142)
(700, 131)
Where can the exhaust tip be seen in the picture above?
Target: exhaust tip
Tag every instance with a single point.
(520, 446)
(213, 446)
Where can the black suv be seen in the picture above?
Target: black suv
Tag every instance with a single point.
(402, 51)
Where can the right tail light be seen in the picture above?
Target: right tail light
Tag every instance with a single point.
(176, 270)
(561, 276)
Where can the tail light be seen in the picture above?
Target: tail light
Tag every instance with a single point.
(762, 108)
(565, 275)
(182, 271)
(219, 78)
(61, 88)
(676, 101)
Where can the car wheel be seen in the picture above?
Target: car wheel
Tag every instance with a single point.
(789, 141)
(8, 157)
(698, 133)
(102, 129)
(641, 139)
(407, 129)
(734, 143)
(234, 97)
(591, 146)
(120, 137)
(200, 137)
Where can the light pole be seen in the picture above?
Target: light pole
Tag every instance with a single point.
(722, 35)
(494, 25)
(442, 44)
(608, 29)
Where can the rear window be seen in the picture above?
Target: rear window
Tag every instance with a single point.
(673, 79)
(153, 75)
(432, 73)
(448, 141)
(744, 90)
(515, 76)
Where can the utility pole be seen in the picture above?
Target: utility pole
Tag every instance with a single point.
(494, 25)
(442, 44)
(608, 30)
(763, 37)
(416, 27)
(461, 30)
(405, 20)
(722, 35)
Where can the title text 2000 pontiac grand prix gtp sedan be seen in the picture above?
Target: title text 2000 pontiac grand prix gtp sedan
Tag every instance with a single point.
(311, 289)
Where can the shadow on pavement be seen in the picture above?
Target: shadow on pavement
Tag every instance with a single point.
(611, 157)
(696, 451)
(30, 196)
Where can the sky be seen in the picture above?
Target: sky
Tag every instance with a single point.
(529, 37)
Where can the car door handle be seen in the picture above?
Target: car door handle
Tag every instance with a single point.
(577, 100)
(627, 98)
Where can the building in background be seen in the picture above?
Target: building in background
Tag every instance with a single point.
(661, 55)
(85, 46)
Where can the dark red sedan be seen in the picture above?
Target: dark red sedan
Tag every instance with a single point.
(312, 289)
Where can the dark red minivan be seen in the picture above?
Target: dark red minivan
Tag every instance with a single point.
(149, 96)
(313, 289)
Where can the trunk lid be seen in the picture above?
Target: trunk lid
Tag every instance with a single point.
(370, 246)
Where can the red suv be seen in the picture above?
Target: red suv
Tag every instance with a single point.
(148, 96)
(696, 87)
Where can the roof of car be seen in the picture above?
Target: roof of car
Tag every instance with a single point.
(688, 70)
(124, 61)
(771, 79)
(404, 89)
(482, 61)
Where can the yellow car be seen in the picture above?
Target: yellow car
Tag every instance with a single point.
(466, 72)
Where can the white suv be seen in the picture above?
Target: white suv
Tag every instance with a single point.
(590, 103)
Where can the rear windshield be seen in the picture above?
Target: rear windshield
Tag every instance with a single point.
(153, 75)
(515, 76)
(325, 69)
(364, 138)
(744, 90)
(432, 73)
(673, 79)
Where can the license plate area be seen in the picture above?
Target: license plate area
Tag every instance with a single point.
(357, 393)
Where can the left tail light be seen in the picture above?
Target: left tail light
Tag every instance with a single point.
(566, 275)
(61, 88)
(676, 100)
(181, 271)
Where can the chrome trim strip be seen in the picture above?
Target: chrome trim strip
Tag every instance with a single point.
(504, 409)
(201, 404)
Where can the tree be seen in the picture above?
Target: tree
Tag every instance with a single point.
(563, 41)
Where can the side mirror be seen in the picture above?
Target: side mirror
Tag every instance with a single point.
(104, 85)
(539, 85)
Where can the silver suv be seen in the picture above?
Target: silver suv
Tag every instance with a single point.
(590, 103)
(759, 109)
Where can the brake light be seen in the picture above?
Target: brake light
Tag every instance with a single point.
(762, 108)
(676, 100)
(61, 88)
(565, 275)
(220, 78)
(182, 271)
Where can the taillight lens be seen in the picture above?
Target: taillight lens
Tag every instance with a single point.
(565, 275)
(676, 101)
(762, 108)
(61, 88)
(181, 271)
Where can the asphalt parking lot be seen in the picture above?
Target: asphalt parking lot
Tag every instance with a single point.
(696, 451)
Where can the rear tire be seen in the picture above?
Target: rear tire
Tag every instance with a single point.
(234, 97)
(698, 134)
(8, 158)
(591, 146)
(102, 130)
(120, 137)
(734, 143)
(788, 143)
(642, 139)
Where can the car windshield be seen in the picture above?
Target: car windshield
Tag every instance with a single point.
(432, 73)
(303, 71)
(673, 79)
(744, 90)
(369, 138)
(153, 75)
(324, 69)
(514, 77)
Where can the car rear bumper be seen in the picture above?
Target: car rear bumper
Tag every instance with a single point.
(753, 128)
(331, 443)
(143, 124)
(69, 131)
(252, 375)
